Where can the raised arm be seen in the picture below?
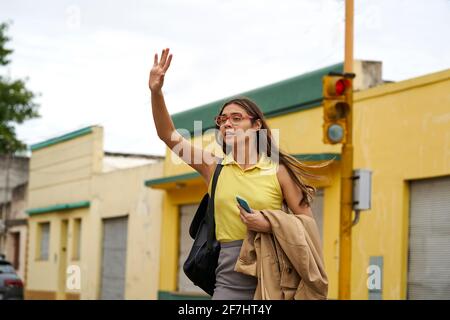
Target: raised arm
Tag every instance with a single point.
(164, 124)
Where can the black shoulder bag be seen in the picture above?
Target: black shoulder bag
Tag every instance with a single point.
(201, 263)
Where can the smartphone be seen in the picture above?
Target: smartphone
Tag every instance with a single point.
(243, 204)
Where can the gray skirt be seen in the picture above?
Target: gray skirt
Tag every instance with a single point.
(232, 285)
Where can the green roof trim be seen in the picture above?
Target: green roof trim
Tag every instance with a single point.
(298, 93)
(58, 207)
(317, 156)
(65, 137)
(192, 175)
(181, 177)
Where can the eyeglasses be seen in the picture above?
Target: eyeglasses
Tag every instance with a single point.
(235, 118)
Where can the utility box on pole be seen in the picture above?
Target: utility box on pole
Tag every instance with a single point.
(362, 189)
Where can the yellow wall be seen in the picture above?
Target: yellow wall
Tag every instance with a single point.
(56, 171)
(401, 132)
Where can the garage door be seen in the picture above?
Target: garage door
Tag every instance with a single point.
(186, 214)
(429, 239)
(114, 258)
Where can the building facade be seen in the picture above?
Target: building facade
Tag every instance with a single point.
(94, 229)
(13, 221)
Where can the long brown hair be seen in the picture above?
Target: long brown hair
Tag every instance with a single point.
(298, 170)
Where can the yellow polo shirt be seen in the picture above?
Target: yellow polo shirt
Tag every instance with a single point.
(257, 184)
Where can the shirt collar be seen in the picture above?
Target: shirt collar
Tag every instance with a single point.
(264, 161)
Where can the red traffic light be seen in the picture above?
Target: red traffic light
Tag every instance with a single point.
(335, 86)
(340, 87)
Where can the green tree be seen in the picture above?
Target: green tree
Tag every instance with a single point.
(16, 102)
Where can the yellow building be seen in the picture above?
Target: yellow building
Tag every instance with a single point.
(94, 228)
(401, 133)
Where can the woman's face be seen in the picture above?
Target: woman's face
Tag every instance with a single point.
(237, 125)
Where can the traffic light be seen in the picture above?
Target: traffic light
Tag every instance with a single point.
(336, 107)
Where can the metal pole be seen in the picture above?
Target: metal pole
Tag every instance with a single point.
(348, 62)
(345, 232)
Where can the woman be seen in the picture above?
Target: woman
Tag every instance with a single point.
(249, 171)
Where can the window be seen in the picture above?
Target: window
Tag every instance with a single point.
(44, 239)
(76, 241)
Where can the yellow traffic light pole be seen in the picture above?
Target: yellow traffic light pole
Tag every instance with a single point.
(345, 232)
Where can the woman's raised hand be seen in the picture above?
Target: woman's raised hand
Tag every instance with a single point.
(156, 78)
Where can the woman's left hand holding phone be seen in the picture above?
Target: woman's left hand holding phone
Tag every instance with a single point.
(255, 220)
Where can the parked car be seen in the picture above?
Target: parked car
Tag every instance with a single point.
(11, 287)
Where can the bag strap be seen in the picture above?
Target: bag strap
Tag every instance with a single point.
(210, 211)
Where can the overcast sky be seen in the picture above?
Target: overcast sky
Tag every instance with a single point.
(90, 60)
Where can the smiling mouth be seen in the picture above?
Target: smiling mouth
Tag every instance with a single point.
(230, 134)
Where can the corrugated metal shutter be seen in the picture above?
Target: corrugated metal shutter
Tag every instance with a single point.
(186, 215)
(317, 209)
(429, 239)
(114, 258)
